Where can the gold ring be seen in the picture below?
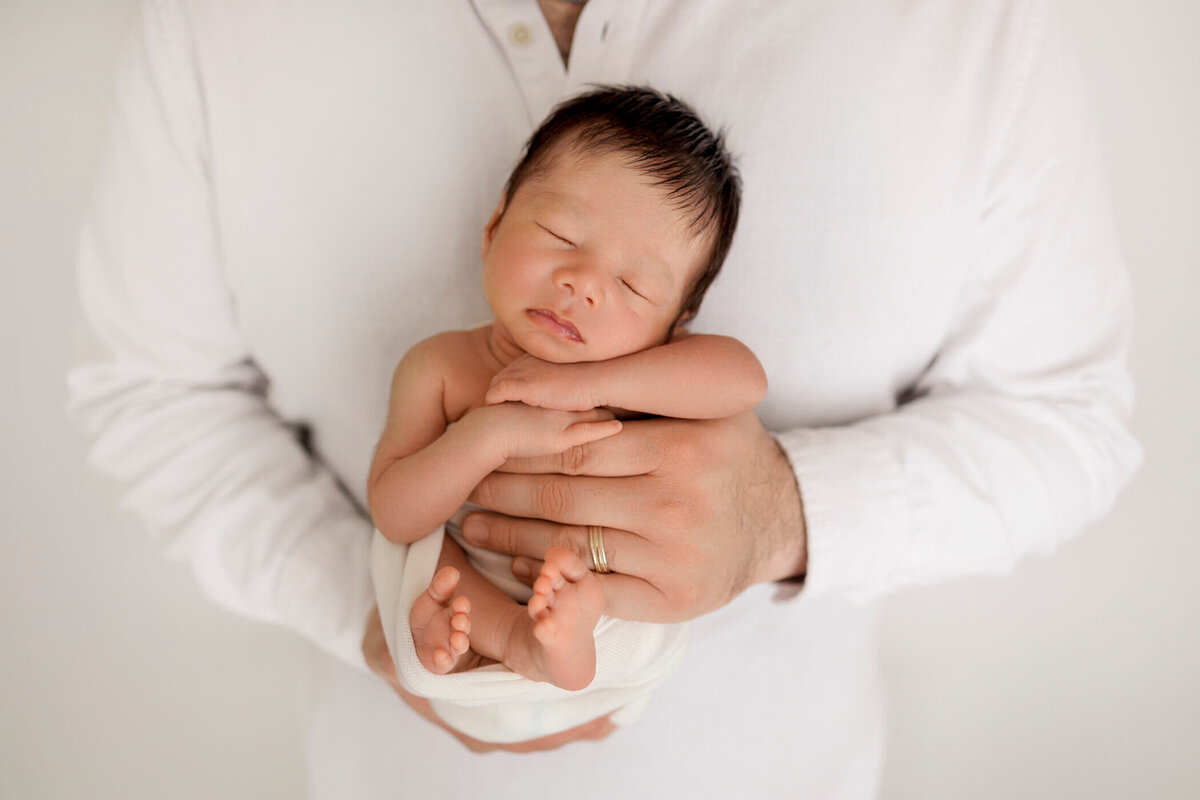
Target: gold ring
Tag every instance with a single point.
(596, 541)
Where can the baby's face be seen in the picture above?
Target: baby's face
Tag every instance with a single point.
(588, 261)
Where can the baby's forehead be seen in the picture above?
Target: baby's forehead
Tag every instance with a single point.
(565, 178)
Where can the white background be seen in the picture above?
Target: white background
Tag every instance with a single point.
(1077, 676)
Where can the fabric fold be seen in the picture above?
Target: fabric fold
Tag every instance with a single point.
(495, 704)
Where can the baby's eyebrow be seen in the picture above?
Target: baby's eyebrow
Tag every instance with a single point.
(651, 267)
(647, 264)
(561, 203)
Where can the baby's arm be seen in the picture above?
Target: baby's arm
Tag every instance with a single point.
(423, 470)
(697, 376)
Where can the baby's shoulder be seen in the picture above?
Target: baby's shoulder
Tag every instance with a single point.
(444, 353)
(447, 344)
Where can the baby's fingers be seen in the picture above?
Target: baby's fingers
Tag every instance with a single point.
(507, 391)
(593, 415)
(584, 432)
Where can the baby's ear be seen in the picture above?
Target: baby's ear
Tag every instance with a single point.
(489, 230)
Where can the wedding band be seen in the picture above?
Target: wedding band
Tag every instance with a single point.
(596, 541)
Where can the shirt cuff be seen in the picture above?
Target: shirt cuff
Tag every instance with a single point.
(857, 519)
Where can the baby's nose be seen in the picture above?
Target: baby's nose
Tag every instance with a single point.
(582, 283)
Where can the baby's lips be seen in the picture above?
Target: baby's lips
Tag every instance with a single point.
(552, 322)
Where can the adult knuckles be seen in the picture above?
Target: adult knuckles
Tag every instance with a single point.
(683, 600)
(698, 597)
(574, 460)
(673, 513)
(693, 587)
(484, 492)
(564, 538)
(686, 447)
(551, 498)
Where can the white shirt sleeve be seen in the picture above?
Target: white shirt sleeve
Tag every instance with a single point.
(180, 412)
(1014, 436)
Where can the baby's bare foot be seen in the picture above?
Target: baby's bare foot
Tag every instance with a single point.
(565, 607)
(440, 623)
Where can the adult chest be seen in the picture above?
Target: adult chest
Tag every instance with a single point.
(861, 131)
(355, 165)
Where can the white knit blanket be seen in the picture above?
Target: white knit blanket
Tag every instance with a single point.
(496, 705)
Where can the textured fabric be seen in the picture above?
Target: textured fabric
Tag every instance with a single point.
(925, 265)
(496, 705)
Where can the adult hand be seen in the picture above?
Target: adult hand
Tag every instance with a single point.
(379, 660)
(692, 511)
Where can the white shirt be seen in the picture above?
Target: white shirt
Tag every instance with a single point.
(295, 193)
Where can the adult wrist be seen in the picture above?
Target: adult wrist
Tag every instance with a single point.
(787, 557)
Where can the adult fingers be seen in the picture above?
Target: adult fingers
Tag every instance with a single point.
(631, 597)
(625, 552)
(622, 503)
(595, 729)
(637, 449)
(589, 731)
(526, 569)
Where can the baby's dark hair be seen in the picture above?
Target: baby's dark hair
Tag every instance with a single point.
(665, 140)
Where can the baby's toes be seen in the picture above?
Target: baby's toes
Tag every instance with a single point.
(562, 566)
(459, 643)
(443, 662)
(538, 606)
(442, 587)
(545, 585)
(460, 615)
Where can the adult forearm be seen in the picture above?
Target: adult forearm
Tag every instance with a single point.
(953, 486)
(223, 483)
(179, 412)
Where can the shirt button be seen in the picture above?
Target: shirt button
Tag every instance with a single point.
(520, 35)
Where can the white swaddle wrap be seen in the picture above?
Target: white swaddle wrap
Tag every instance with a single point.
(493, 703)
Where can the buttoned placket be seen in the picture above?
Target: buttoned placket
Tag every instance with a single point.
(601, 50)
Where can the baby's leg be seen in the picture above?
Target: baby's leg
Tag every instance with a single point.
(492, 618)
(551, 640)
(565, 607)
(440, 618)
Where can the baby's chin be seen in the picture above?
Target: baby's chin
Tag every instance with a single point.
(555, 356)
(560, 355)
(546, 347)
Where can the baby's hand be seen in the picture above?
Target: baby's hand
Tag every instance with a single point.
(539, 383)
(523, 431)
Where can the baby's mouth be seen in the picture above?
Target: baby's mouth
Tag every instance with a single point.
(548, 320)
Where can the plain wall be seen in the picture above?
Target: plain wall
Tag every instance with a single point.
(1077, 676)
